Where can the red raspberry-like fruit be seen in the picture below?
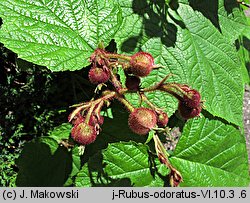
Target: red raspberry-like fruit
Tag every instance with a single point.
(96, 57)
(141, 63)
(187, 112)
(192, 99)
(133, 83)
(142, 120)
(162, 119)
(98, 75)
(78, 118)
(185, 88)
(96, 120)
(83, 133)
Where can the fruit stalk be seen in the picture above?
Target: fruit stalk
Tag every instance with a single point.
(116, 83)
(122, 100)
(175, 175)
(118, 56)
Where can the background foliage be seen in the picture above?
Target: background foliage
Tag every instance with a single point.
(203, 43)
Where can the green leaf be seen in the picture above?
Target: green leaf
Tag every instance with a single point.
(225, 16)
(45, 156)
(210, 153)
(76, 166)
(190, 46)
(92, 173)
(244, 54)
(41, 165)
(124, 163)
(59, 34)
(61, 132)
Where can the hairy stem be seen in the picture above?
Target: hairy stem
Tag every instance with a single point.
(116, 83)
(175, 176)
(118, 56)
(128, 105)
(149, 103)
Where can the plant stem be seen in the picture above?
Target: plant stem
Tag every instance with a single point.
(158, 85)
(89, 114)
(116, 83)
(151, 105)
(175, 176)
(121, 99)
(118, 56)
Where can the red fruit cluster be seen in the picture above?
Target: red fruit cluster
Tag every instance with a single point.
(142, 64)
(190, 105)
(162, 119)
(99, 73)
(87, 127)
(87, 119)
(187, 112)
(142, 120)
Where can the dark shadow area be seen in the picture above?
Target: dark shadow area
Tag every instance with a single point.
(209, 116)
(237, 44)
(111, 46)
(246, 43)
(176, 120)
(248, 68)
(243, 44)
(229, 5)
(114, 129)
(130, 44)
(209, 8)
(33, 101)
(35, 98)
(154, 171)
(96, 166)
(39, 168)
(98, 178)
(155, 24)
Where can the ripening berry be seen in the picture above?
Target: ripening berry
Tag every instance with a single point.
(83, 133)
(162, 119)
(185, 88)
(98, 75)
(95, 57)
(187, 112)
(132, 83)
(78, 118)
(96, 120)
(141, 63)
(142, 120)
(193, 99)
